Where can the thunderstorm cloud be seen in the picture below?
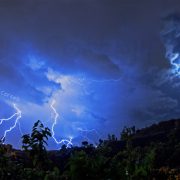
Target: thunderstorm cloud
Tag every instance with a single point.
(106, 63)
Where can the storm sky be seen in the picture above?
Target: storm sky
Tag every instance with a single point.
(105, 64)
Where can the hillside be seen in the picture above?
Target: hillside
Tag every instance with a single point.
(151, 152)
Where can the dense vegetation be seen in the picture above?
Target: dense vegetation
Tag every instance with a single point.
(149, 153)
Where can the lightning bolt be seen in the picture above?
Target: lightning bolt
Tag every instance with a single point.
(173, 57)
(80, 82)
(85, 133)
(83, 78)
(106, 80)
(18, 114)
(63, 141)
(170, 36)
(7, 119)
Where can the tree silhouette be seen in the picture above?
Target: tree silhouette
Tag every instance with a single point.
(35, 143)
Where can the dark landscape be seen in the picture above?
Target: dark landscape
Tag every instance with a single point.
(149, 153)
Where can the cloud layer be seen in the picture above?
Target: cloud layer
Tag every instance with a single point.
(105, 63)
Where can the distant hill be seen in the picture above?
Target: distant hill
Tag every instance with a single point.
(148, 153)
(157, 132)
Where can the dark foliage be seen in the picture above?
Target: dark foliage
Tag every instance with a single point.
(149, 153)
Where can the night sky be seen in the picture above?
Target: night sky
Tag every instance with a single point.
(98, 64)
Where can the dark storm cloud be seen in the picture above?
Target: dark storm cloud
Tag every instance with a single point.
(102, 39)
(98, 65)
(62, 29)
(62, 33)
(121, 31)
(171, 39)
(161, 107)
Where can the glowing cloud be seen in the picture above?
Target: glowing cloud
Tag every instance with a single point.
(171, 38)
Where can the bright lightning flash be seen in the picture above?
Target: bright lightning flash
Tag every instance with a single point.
(85, 133)
(73, 87)
(63, 141)
(18, 114)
